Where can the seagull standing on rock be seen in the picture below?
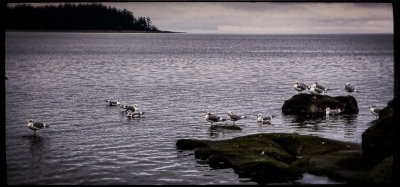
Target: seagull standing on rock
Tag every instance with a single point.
(315, 91)
(300, 87)
(375, 111)
(320, 87)
(234, 117)
(213, 118)
(262, 119)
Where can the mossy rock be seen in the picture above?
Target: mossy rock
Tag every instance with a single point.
(301, 104)
(266, 158)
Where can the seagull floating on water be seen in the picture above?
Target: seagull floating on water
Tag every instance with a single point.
(113, 103)
(36, 125)
(300, 87)
(330, 111)
(375, 111)
(234, 117)
(131, 108)
(262, 119)
(349, 88)
(134, 114)
(213, 118)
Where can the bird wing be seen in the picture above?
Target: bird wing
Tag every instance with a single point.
(39, 125)
(349, 88)
(303, 87)
(213, 118)
(267, 118)
(234, 117)
(316, 89)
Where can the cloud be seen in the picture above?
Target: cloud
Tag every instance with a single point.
(265, 17)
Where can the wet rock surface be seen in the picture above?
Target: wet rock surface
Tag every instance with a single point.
(275, 157)
(301, 104)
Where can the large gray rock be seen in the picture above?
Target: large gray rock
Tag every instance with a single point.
(306, 104)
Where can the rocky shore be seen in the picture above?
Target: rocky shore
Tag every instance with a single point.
(283, 157)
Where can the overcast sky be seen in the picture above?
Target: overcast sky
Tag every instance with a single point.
(265, 17)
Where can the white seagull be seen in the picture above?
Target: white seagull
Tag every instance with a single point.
(300, 87)
(134, 114)
(262, 119)
(113, 103)
(315, 91)
(234, 117)
(213, 118)
(36, 125)
(375, 111)
(349, 88)
(330, 111)
(320, 87)
(127, 107)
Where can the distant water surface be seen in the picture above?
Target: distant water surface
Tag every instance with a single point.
(62, 79)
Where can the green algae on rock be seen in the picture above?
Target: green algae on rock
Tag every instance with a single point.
(266, 158)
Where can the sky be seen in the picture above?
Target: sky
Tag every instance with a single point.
(264, 17)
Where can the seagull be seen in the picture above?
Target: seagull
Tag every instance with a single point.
(375, 111)
(262, 119)
(234, 117)
(36, 125)
(113, 103)
(213, 118)
(328, 111)
(304, 84)
(299, 87)
(315, 91)
(134, 114)
(131, 108)
(320, 86)
(349, 88)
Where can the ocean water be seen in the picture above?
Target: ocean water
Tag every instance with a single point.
(62, 79)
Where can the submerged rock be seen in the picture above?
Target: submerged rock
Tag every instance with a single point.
(275, 157)
(302, 104)
(228, 127)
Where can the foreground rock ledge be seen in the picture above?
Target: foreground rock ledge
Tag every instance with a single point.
(301, 104)
(282, 157)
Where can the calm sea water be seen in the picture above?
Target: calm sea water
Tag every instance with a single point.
(62, 79)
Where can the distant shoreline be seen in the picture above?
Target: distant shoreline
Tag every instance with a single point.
(88, 31)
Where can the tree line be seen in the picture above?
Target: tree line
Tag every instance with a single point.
(75, 17)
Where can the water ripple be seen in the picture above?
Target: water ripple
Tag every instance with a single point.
(176, 82)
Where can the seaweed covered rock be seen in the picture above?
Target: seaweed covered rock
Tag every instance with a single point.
(306, 104)
(378, 140)
(265, 158)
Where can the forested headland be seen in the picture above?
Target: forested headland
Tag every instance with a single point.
(83, 17)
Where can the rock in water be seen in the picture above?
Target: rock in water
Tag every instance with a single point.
(378, 140)
(265, 158)
(302, 104)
